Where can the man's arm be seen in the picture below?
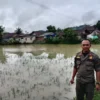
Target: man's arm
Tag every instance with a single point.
(97, 69)
(97, 80)
(98, 76)
(73, 75)
(74, 70)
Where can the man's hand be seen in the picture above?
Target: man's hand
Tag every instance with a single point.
(74, 73)
(97, 87)
(72, 81)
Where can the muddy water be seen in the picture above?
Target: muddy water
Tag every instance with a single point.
(38, 72)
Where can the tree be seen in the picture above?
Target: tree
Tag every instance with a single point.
(18, 31)
(70, 36)
(59, 30)
(1, 33)
(51, 28)
(97, 25)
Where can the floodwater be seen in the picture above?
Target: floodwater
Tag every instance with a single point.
(38, 72)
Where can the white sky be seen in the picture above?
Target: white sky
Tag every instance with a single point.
(38, 14)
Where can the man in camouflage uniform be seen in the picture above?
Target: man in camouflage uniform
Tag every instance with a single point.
(85, 64)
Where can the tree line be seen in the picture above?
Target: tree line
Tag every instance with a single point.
(69, 35)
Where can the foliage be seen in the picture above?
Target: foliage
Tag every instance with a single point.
(70, 36)
(1, 29)
(11, 41)
(95, 41)
(97, 25)
(96, 95)
(54, 40)
(51, 28)
(1, 33)
(18, 31)
(59, 30)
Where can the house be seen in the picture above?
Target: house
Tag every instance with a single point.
(40, 37)
(84, 30)
(25, 38)
(96, 32)
(94, 35)
(48, 35)
(7, 36)
(37, 33)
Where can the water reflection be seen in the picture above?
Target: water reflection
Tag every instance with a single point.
(52, 50)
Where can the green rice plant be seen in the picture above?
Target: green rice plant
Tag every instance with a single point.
(13, 92)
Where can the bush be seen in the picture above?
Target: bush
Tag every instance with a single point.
(95, 41)
(53, 40)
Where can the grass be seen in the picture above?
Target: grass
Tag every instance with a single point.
(96, 95)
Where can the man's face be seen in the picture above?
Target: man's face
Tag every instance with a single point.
(86, 45)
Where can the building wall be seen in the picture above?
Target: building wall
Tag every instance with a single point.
(26, 39)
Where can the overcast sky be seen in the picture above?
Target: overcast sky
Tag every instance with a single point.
(37, 14)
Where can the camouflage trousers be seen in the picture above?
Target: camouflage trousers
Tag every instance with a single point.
(86, 90)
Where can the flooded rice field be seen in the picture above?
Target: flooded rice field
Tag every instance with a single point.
(37, 72)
